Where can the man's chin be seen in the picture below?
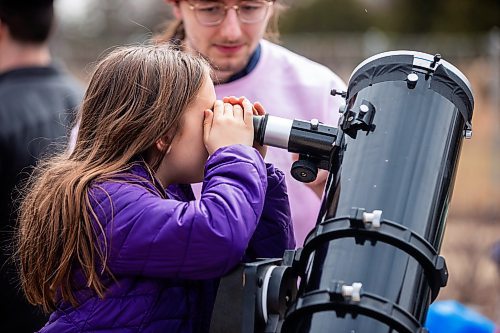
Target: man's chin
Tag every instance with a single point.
(226, 69)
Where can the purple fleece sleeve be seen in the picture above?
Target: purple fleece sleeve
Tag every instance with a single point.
(274, 233)
(153, 236)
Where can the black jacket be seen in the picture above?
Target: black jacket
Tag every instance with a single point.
(37, 108)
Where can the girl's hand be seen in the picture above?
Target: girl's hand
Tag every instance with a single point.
(257, 109)
(228, 125)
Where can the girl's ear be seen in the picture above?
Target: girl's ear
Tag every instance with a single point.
(163, 144)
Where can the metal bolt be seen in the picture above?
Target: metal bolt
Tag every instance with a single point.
(364, 108)
(314, 123)
(411, 80)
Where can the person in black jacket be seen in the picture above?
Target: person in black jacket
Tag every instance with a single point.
(37, 103)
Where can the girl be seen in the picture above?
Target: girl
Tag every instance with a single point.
(109, 236)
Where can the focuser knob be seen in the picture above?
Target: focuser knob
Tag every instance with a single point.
(335, 92)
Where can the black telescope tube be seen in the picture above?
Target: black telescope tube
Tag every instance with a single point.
(385, 205)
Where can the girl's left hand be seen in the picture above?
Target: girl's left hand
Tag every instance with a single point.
(258, 109)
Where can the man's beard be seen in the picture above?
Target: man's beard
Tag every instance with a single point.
(227, 68)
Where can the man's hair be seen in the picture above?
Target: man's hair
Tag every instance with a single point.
(28, 21)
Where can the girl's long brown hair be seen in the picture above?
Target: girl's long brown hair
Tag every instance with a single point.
(136, 95)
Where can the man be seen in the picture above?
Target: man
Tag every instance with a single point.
(230, 35)
(37, 101)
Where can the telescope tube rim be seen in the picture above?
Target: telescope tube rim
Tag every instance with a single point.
(415, 54)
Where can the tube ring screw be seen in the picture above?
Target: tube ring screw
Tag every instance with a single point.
(373, 218)
(353, 291)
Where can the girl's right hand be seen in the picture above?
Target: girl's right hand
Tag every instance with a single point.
(258, 109)
(228, 125)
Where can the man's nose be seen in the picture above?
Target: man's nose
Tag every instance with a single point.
(230, 27)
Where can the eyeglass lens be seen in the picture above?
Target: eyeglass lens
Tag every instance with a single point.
(214, 12)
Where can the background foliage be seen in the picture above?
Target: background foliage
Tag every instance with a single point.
(393, 16)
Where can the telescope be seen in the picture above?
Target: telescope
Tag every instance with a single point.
(372, 262)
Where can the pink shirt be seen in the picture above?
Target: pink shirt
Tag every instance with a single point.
(291, 86)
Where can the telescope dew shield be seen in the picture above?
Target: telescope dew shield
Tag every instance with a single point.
(385, 205)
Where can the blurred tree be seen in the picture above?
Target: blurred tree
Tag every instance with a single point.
(89, 28)
(398, 16)
(325, 16)
(447, 16)
(112, 19)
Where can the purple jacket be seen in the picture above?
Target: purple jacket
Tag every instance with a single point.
(167, 251)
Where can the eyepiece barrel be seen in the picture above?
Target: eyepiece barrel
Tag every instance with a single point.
(297, 136)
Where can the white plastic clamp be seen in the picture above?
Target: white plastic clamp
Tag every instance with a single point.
(353, 291)
(373, 218)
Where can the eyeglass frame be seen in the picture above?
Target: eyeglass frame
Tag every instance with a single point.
(236, 8)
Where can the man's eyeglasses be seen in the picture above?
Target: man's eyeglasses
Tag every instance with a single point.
(213, 13)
